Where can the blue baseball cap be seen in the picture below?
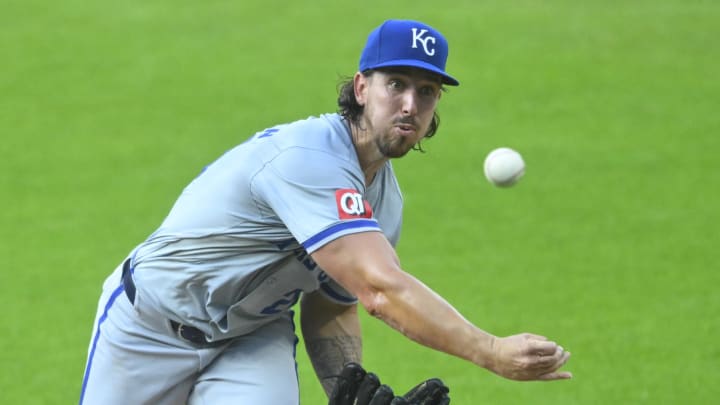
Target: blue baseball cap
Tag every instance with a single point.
(407, 43)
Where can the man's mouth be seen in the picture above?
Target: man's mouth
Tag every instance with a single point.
(406, 129)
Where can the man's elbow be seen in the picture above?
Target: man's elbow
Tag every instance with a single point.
(378, 301)
(374, 302)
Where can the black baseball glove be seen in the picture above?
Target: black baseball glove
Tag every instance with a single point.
(355, 386)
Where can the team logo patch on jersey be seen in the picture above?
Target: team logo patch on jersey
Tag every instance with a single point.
(351, 204)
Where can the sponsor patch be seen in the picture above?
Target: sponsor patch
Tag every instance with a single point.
(351, 205)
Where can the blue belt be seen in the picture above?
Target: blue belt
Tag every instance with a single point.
(188, 333)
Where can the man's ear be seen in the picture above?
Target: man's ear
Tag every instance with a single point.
(360, 85)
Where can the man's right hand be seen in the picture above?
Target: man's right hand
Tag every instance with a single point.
(528, 357)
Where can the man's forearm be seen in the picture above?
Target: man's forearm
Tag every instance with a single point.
(330, 354)
(422, 315)
(332, 337)
(366, 265)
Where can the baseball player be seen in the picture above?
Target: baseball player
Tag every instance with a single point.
(201, 312)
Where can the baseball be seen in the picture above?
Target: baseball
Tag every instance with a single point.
(504, 167)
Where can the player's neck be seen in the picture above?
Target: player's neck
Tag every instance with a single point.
(369, 156)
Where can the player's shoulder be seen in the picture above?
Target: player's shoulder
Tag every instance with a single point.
(322, 141)
(308, 151)
(331, 122)
(326, 133)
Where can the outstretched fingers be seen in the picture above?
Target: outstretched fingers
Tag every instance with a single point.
(563, 375)
(546, 357)
(542, 347)
(550, 364)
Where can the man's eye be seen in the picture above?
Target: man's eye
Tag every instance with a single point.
(427, 91)
(395, 84)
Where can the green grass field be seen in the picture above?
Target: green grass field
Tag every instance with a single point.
(608, 245)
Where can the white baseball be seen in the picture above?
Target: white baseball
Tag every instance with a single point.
(504, 167)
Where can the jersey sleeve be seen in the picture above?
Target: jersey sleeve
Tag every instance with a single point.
(317, 196)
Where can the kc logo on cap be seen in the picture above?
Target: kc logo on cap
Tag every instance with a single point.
(418, 37)
(407, 43)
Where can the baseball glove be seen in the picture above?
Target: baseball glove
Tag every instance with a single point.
(356, 386)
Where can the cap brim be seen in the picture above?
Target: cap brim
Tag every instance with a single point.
(446, 78)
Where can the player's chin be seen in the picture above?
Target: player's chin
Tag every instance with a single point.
(398, 149)
(395, 145)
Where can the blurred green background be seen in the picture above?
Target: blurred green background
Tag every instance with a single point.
(608, 245)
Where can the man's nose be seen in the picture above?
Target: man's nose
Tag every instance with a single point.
(409, 102)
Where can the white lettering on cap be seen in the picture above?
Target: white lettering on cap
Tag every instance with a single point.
(418, 37)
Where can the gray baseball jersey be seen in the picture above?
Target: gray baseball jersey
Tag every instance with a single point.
(232, 256)
(233, 252)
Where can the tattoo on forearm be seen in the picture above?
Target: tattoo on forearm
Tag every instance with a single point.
(330, 354)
